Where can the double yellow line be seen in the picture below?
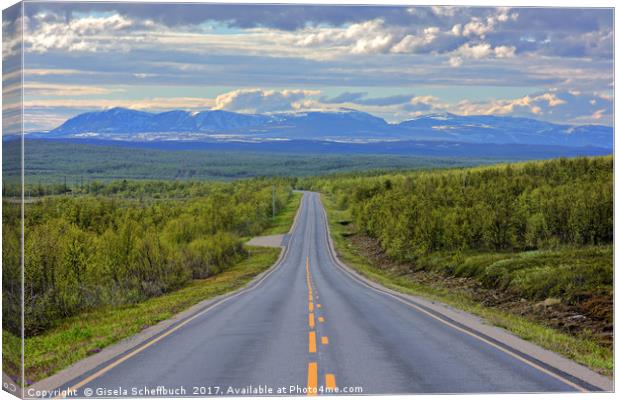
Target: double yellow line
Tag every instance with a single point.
(313, 369)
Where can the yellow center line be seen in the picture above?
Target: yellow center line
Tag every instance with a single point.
(324, 340)
(311, 320)
(311, 306)
(330, 381)
(312, 342)
(321, 319)
(312, 379)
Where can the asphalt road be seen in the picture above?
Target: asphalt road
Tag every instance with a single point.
(310, 324)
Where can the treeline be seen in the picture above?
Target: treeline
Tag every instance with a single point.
(86, 252)
(137, 189)
(512, 207)
(53, 166)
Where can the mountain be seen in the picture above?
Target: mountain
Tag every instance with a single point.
(344, 125)
(123, 120)
(505, 130)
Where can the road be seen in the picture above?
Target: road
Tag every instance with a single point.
(309, 324)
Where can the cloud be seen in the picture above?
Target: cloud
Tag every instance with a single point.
(345, 97)
(423, 104)
(361, 99)
(262, 101)
(410, 43)
(573, 107)
(12, 29)
(504, 51)
(90, 33)
(480, 27)
(527, 104)
(153, 103)
(337, 31)
(366, 37)
(385, 101)
(49, 89)
(478, 51)
(455, 61)
(176, 50)
(445, 11)
(375, 37)
(247, 16)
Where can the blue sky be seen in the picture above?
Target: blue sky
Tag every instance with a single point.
(395, 62)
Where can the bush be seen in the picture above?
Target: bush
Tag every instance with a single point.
(86, 252)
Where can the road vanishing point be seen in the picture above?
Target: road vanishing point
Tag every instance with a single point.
(310, 326)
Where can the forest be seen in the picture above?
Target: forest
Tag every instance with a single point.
(513, 207)
(123, 242)
(535, 229)
(72, 166)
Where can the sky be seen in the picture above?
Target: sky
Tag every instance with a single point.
(553, 64)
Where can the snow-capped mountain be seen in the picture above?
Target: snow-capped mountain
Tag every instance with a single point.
(342, 125)
(123, 120)
(496, 129)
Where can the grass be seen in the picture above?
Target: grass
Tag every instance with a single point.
(83, 335)
(566, 272)
(583, 350)
(284, 219)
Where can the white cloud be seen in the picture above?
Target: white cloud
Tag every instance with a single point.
(455, 61)
(476, 27)
(444, 11)
(376, 44)
(262, 101)
(504, 51)
(551, 99)
(369, 37)
(532, 104)
(143, 75)
(598, 114)
(479, 51)
(12, 36)
(155, 103)
(51, 89)
(79, 34)
(410, 43)
(476, 51)
(480, 27)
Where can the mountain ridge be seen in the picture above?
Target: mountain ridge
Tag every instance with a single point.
(346, 125)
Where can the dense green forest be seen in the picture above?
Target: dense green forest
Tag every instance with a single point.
(139, 240)
(73, 165)
(524, 206)
(438, 219)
